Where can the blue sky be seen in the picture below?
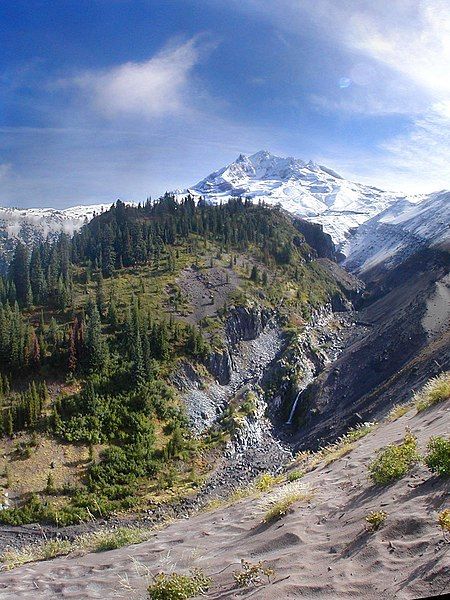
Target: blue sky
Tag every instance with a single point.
(101, 99)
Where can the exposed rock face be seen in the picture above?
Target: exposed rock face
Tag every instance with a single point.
(315, 237)
(245, 324)
(318, 344)
(253, 339)
(242, 325)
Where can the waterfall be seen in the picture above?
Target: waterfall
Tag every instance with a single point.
(294, 406)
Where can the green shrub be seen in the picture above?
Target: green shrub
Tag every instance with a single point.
(179, 587)
(295, 475)
(437, 458)
(436, 390)
(395, 460)
(375, 519)
(266, 481)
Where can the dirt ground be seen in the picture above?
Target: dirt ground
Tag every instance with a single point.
(206, 290)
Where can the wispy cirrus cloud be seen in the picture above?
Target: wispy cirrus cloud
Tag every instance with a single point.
(160, 86)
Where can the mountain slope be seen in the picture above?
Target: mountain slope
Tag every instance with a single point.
(403, 257)
(403, 228)
(307, 189)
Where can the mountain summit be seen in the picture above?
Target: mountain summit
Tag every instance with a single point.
(303, 188)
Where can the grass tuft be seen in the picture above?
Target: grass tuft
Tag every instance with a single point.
(397, 411)
(434, 391)
(279, 503)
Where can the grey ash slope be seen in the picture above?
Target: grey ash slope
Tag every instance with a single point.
(396, 233)
(320, 550)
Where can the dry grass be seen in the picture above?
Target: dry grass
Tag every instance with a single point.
(98, 541)
(279, 502)
(434, 391)
(264, 483)
(344, 445)
(398, 411)
(28, 470)
(34, 552)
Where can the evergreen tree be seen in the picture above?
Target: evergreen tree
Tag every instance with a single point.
(37, 278)
(95, 348)
(20, 275)
(8, 422)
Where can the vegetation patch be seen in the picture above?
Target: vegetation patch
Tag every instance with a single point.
(398, 411)
(176, 586)
(394, 461)
(375, 519)
(279, 503)
(434, 391)
(35, 552)
(345, 444)
(437, 458)
(98, 541)
(295, 476)
(444, 523)
(266, 481)
(252, 574)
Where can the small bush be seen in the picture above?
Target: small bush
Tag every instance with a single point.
(295, 476)
(437, 458)
(395, 460)
(436, 390)
(266, 482)
(375, 519)
(252, 574)
(179, 587)
(444, 521)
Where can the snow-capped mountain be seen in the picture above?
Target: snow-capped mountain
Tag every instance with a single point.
(31, 225)
(306, 189)
(399, 231)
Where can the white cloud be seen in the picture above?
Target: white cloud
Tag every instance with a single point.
(157, 87)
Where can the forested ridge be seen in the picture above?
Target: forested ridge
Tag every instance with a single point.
(94, 313)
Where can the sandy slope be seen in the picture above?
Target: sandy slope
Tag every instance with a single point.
(321, 550)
